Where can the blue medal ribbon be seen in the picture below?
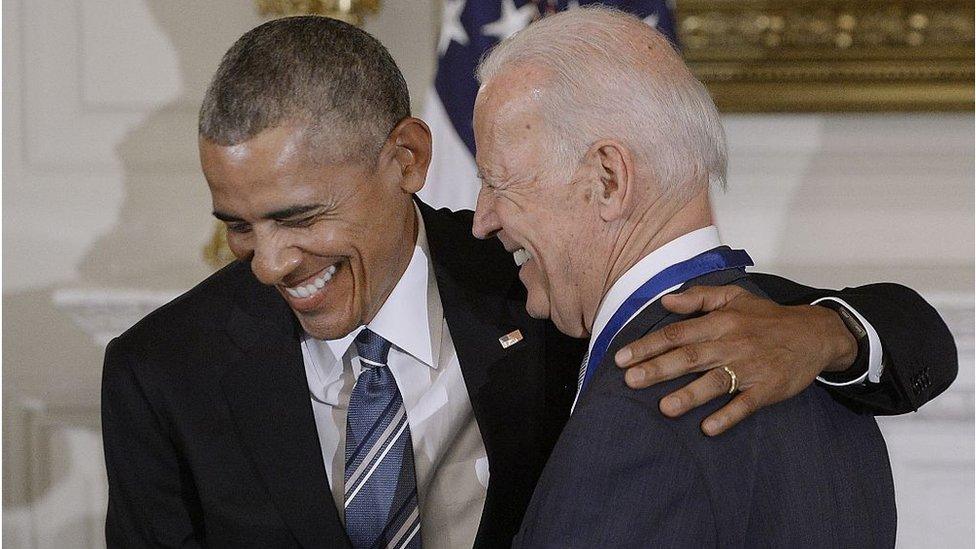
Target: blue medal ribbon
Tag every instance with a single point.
(718, 259)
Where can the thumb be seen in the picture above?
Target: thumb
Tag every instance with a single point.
(701, 299)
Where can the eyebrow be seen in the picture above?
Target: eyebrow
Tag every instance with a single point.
(284, 213)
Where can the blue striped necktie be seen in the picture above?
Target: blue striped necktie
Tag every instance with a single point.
(380, 482)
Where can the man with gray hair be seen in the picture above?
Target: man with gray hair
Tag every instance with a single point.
(597, 148)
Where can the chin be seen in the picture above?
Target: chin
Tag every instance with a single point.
(537, 308)
(325, 328)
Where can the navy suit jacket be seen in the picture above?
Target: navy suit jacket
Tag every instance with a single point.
(806, 472)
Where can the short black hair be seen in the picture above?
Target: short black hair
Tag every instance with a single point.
(313, 70)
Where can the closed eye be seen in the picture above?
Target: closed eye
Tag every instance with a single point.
(484, 180)
(299, 223)
(238, 228)
(303, 221)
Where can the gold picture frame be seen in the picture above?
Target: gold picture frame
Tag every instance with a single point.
(350, 11)
(831, 55)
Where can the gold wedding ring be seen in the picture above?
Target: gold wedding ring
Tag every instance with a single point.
(735, 380)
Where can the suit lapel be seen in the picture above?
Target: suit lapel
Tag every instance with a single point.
(473, 290)
(474, 280)
(507, 392)
(476, 323)
(268, 397)
(480, 292)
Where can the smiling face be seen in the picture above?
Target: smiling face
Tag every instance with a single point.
(332, 237)
(546, 219)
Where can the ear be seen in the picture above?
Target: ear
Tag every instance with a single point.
(613, 165)
(410, 142)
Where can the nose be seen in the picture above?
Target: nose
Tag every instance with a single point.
(485, 220)
(273, 259)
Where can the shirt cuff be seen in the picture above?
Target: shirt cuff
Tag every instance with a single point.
(875, 352)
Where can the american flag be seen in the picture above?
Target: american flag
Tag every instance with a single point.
(468, 29)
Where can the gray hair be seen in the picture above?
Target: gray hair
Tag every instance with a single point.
(611, 76)
(322, 73)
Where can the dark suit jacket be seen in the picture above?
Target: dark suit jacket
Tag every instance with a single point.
(208, 428)
(807, 472)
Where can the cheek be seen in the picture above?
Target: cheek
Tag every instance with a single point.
(537, 284)
(324, 239)
(556, 270)
(365, 248)
(332, 238)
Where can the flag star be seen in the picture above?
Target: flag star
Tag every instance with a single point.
(652, 19)
(572, 5)
(451, 29)
(512, 20)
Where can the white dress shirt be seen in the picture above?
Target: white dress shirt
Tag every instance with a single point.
(683, 248)
(449, 453)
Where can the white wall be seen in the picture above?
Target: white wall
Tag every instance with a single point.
(102, 190)
(842, 200)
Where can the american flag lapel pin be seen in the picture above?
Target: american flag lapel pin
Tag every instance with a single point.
(510, 339)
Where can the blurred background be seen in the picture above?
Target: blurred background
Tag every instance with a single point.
(851, 135)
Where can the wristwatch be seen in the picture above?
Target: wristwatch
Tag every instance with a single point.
(860, 365)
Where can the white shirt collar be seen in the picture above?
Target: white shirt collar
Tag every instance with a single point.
(397, 319)
(684, 247)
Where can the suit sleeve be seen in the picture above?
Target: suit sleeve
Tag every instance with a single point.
(150, 501)
(920, 353)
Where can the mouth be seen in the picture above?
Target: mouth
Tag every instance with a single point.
(313, 285)
(519, 253)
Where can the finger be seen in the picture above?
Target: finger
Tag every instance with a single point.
(742, 406)
(672, 336)
(713, 384)
(694, 357)
(701, 298)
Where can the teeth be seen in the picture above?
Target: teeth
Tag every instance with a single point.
(326, 276)
(314, 286)
(521, 256)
